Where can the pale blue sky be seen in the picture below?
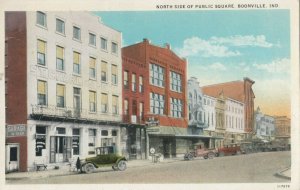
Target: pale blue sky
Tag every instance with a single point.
(220, 46)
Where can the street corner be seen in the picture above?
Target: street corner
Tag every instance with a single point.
(285, 173)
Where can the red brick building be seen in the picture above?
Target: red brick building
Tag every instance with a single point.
(154, 93)
(134, 99)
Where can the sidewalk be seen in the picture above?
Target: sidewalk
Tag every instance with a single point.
(64, 170)
(286, 173)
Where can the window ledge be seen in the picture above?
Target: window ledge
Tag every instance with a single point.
(61, 34)
(41, 26)
(77, 75)
(93, 46)
(77, 40)
(61, 71)
(43, 66)
(104, 50)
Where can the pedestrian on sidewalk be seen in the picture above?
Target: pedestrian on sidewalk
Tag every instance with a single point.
(78, 165)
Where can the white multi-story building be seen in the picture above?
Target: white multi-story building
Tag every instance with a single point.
(195, 104)
(234, 121)
(209, 114)
(264, 125)
(73, 89)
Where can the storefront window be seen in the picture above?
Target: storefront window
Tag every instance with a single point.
(104, 133)
(92, 140)
(40, 140)
(114, 133)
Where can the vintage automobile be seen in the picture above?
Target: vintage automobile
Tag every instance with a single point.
(199, 150)
(274, 146)
(246, 147)
(105, 156)
(231, 149)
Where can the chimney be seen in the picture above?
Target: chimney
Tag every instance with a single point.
(146, 40)
(167, 45)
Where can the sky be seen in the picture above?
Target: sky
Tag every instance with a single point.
(221, 46)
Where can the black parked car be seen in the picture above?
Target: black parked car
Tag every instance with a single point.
(106, 156)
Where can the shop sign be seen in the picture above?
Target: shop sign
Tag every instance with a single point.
(16, 130)
(151, 122)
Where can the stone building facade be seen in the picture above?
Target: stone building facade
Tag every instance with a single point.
(63, 89)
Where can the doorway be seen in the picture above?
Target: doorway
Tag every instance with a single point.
(60, 148)
(169, 147)
(12, 157)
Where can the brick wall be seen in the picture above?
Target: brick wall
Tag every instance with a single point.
(16, 77)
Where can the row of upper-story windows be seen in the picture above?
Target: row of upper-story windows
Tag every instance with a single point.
(208, 102)
(267, 120)
(60, 28)
(196, 98)
(234, 109)
(157, 105)
(176, 107)
(134, 82)
(42, 98)
(234, 122)
(135, 110)
(157, 78)
(77, 66)
(208, 118)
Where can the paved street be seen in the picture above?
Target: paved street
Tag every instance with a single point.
(257, 167)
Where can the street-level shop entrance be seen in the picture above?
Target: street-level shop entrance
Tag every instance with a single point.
(60, 148)
(12, 157)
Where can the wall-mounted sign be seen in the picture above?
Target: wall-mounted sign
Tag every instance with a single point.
(151, 121)
(16, 130)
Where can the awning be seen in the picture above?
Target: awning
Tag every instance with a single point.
(193, 136)
(175, 132)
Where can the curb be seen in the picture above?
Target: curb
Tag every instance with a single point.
(279, 174)
(76, 173)
(16, 178)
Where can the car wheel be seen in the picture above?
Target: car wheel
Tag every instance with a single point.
(211, 155)
(190, 157)
(205, 156)
(122, 165)
(89, 168)
(115, 168)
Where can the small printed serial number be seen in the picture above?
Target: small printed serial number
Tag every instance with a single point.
(282, 186)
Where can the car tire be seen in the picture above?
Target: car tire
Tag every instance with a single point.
(89, 168)
(122, 165)
(190, 157)
(211, 155)
(115, 167)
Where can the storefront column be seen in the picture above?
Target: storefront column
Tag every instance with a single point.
(147, 145)
(143, 144)
(138, 143)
